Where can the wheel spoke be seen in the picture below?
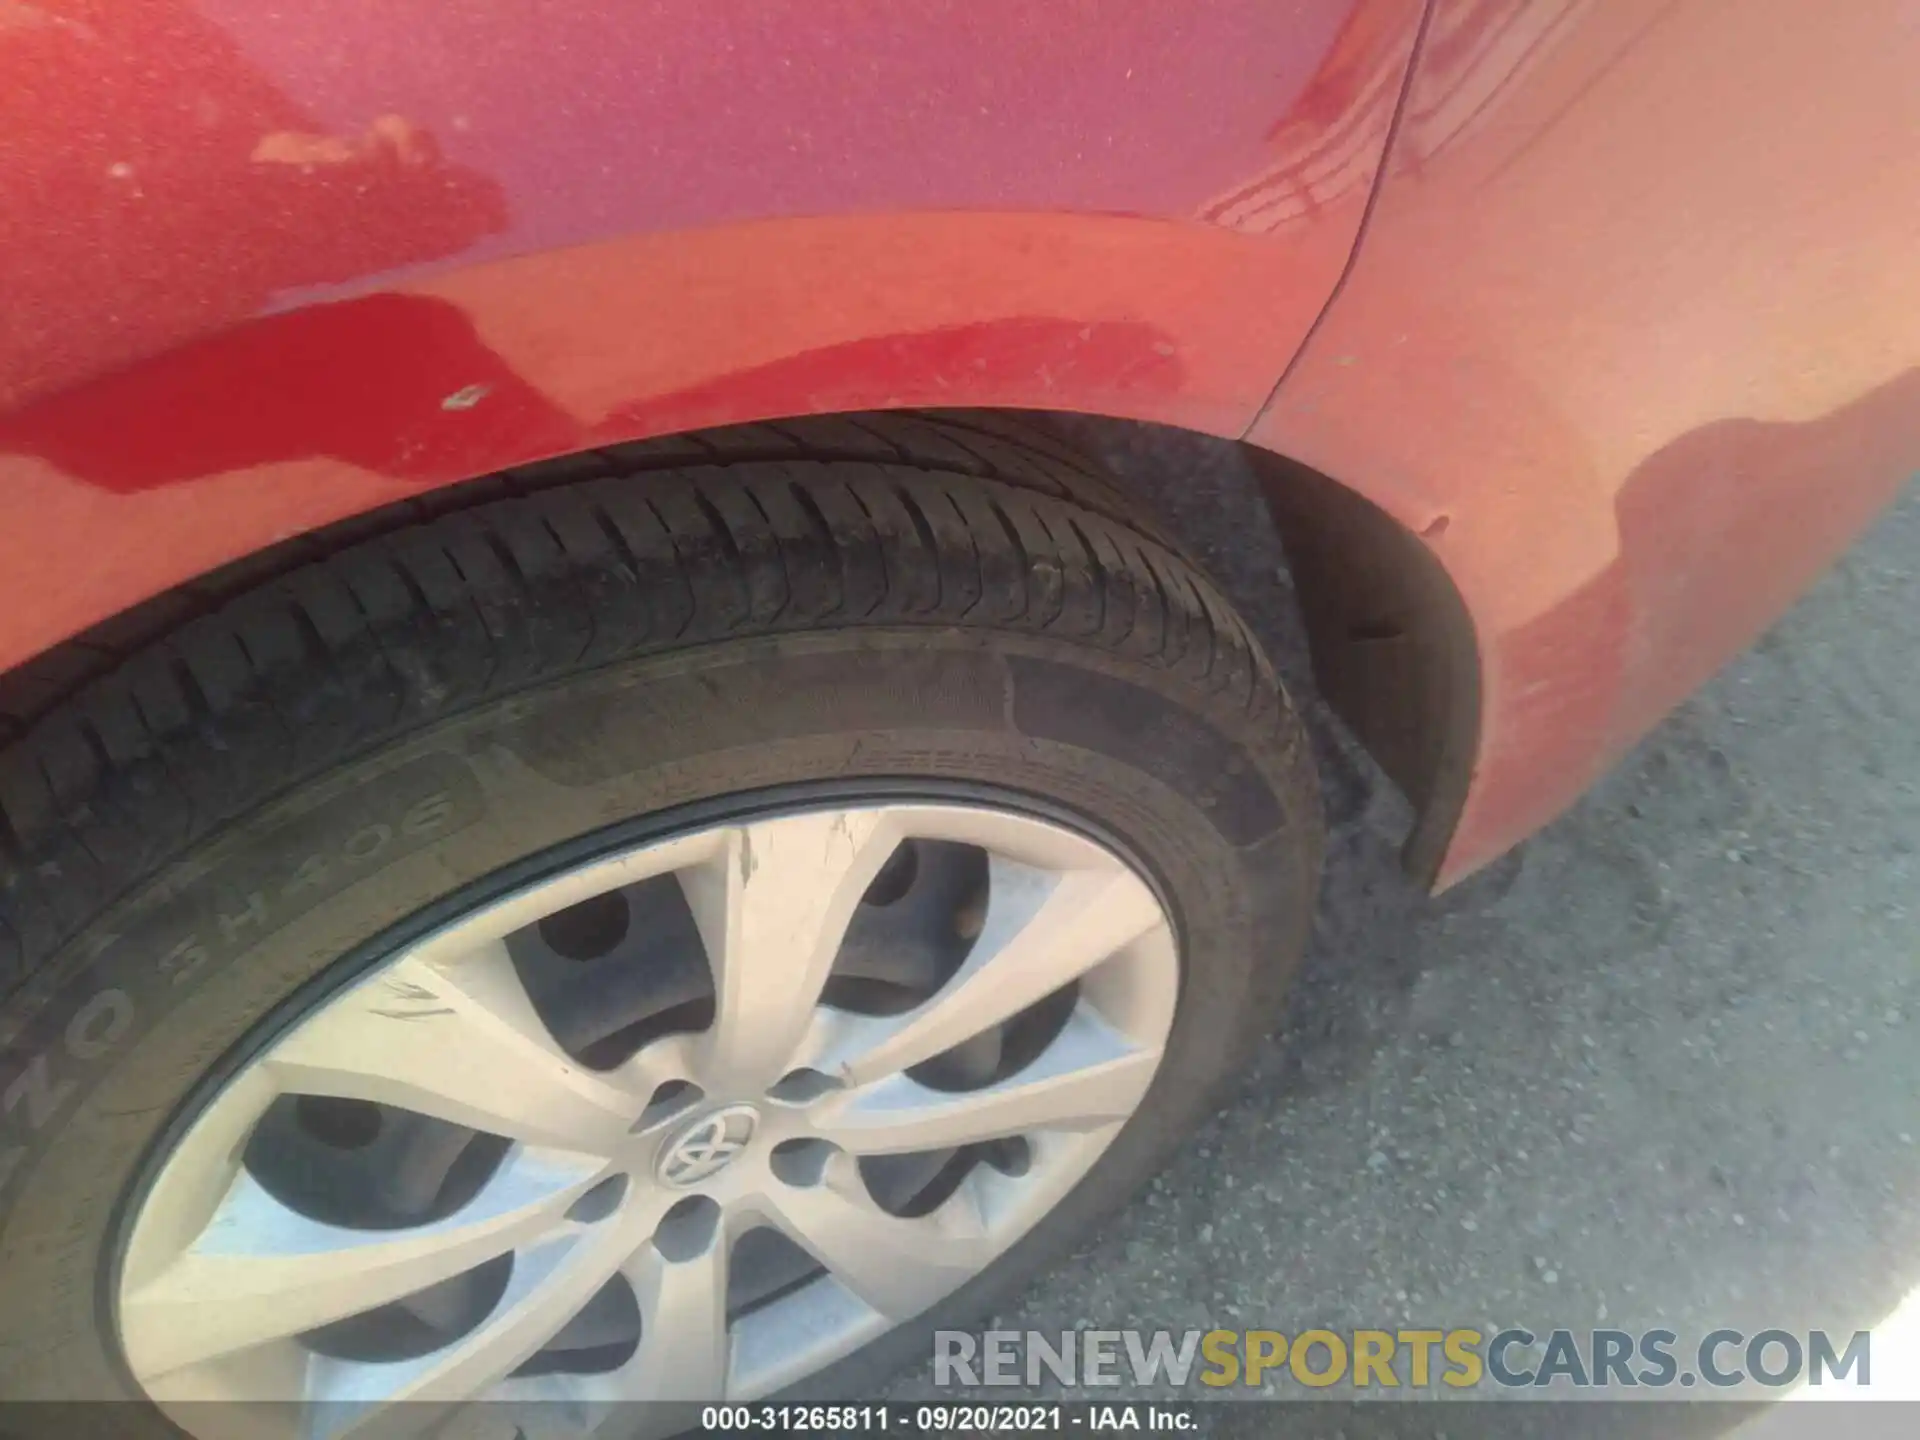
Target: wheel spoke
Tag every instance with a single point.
(684, 1349)
(1090, 1076)
(204, 1176)
(551, 1283)
(459, 1041)
(772, 906)
(899, 1266)
(262, 1271)
(1042, 931)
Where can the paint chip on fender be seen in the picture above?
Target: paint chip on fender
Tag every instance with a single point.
(466, 398)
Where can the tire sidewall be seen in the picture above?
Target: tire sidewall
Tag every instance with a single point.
(137, 1018)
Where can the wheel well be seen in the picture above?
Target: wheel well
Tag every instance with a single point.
(1390, 641)
(1393, 646)
(1388, 637)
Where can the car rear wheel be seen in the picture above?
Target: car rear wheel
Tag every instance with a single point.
(675, 933)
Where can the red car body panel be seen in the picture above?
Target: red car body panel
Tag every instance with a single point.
(265, 268)
(1625, 335)
(1633, 342)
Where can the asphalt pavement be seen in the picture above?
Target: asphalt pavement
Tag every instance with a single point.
(1660, 1067)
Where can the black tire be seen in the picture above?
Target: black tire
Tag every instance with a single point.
(942, 603)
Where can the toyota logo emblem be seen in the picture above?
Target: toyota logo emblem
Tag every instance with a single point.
(708, 1145)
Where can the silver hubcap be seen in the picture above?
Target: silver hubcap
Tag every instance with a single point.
(689, 1122)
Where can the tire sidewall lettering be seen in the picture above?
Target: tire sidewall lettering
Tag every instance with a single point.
(40, 1082)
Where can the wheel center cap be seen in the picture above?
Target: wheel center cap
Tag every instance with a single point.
(706, 1145)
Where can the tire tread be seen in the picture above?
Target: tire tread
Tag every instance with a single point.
(141, 737)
